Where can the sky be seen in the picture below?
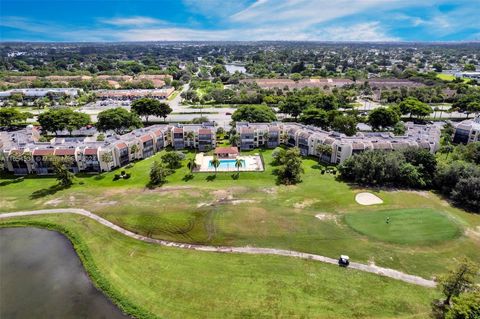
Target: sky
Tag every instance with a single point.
(239, 20)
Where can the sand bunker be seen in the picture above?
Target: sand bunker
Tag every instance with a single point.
(368, 199)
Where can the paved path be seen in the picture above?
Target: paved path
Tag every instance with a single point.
(395, 274)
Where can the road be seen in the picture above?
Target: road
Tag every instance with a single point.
(219, 115)
(387, 272)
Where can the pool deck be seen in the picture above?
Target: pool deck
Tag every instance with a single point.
(253, 163)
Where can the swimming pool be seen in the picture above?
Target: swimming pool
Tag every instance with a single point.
(226, 164)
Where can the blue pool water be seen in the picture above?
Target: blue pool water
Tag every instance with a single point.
(226, 164)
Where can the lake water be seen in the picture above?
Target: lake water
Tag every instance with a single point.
(41, 276)
(231, 68)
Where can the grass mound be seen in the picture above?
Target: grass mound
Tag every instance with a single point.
(405, 226)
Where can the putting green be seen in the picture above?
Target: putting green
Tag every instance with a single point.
(405, 226)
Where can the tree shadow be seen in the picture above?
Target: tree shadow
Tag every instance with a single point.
(187, 177)
(150, 185)
(48, 191)
(99, 177)
(12, 181)
(211, 178)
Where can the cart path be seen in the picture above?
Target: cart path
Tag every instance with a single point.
(387, 272)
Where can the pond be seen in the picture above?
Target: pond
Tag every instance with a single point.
(41, 276)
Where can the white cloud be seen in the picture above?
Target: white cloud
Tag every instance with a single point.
(215, 8)
(303, 20)
(132, 21)
(371, 31)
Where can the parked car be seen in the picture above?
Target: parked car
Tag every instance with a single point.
(228, 113)
(344, 261)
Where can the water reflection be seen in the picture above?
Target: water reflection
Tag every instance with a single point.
(41, 276)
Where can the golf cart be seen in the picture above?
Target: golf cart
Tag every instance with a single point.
(343, 261)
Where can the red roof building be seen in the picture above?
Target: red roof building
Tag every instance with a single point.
(90, 151)
(227, 152)
(64, 152)
(42, 152)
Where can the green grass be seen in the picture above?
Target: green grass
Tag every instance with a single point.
(405, 226)
(269, 216)
(173, 283)
(448, 77)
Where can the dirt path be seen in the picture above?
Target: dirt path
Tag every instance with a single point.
(387, 272)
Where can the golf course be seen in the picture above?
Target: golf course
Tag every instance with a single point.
(415, 232)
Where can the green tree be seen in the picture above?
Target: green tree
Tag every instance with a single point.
(465, 306)
(291, 170)
(324, 150)
(134, 149)
(469, 67)
(314, 116)
(234, 139)
(294, 105)
(466, 193)
(446, 149)
(145, 107)
(118, 119)
(238, 164)
(382, 117)
(163, 110)
(172, 159)
(192, 164)
(414, 107)
(458, 280)
(468, 103)
(158, 173)
(399, 129)
(10, 116)
(107, 158)
(215, 163)
(254, 114)
(191, 138)
(346, 124)
(59, 120)
(61, 167)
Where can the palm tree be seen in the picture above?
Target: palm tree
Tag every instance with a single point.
(192, 164)
(107, 158)
(134, 150)
(238, 164)
(265, 138)
(215, 163)
(284, 138)
(446, 149)
(190, 137)
(234, 139)
(324, 149)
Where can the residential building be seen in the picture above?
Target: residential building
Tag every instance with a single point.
(307, 138)
(467, 131)
(24, 153)
(39, 93)
(133, 94)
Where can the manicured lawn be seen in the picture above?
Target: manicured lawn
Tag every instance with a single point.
(175, 283)
(253, 210)
(448, 77)
(405, 226)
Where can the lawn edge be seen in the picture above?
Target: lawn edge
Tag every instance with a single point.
(95, 275)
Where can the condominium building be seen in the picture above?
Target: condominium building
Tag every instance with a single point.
(308, 138)
(41, 92)
(467, 131)
(134, 94)
(24, 153)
